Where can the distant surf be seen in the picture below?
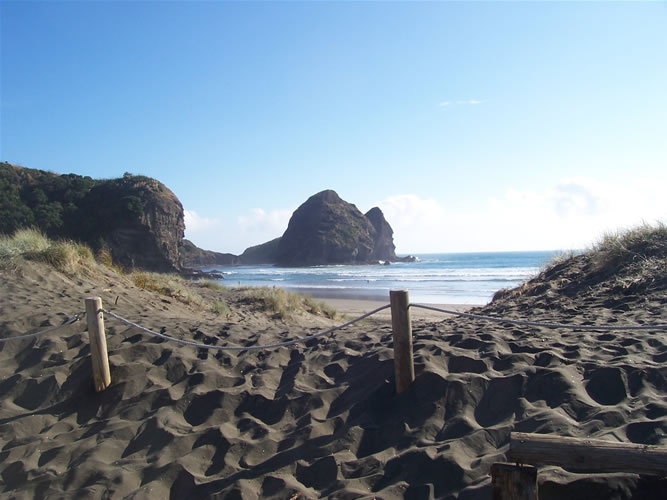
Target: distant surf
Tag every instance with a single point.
(449, 278)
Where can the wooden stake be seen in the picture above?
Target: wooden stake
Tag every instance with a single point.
(98, 343)
(401, 326)
(514, 482)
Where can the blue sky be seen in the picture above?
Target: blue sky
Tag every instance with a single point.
(474, 126)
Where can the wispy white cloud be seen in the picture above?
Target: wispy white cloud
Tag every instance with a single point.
(235, 233)
(571, 214)
(460, 102)
(195, 223)
(259, 220)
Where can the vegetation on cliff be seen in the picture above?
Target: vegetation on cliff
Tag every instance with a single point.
(138, 222)
(135, 218)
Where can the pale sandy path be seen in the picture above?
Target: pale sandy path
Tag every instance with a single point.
(357, 307)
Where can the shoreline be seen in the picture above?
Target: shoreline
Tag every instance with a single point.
(357, 307)
(356, 304)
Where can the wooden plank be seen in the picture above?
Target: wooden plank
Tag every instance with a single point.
(589, 455)
(401, 326)
(514, 482)
(98, 343)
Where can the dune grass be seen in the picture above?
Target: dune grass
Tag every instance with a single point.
(71, 258)
(635, 258)
(640, 243)
(212, 285)
(629, 260)
(178, 288)
(220, 307)
(170, 285)
(65, 256)
(286, 304)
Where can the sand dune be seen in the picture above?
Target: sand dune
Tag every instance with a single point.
(320, 419)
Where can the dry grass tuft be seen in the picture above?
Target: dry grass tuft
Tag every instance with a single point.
(170, 285)
(286, 304)
(178, 288)
(637, 244)
(221, 308)
(65, 256)
(626, 262)
(212, 285)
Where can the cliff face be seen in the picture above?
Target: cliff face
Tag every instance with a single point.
(328, 230)
(383, 244)
(136, 218)
(153, 240)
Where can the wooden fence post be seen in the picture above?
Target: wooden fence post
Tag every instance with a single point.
(578, 454)
(98, 343)
(401, 326)
(514, 482)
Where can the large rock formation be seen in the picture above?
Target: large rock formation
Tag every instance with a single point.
(153, 239)
(139, 221)
(328, 230)
(136, 218)
(383, 244)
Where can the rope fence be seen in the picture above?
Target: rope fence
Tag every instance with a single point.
(69, 321)
(248, 348)
(401, 331)
(510, 481)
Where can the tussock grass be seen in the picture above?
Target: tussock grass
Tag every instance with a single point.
(221, 308)
(631, 261)
(30, 244)
(212, 285)
(178, 288)
(638, 244)
(71, 258)
(170, 285)
(636, 258)
(286, 304)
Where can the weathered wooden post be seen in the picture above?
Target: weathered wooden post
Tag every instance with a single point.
(401, 326)
(514, 482)
(98, 343)
(588, 454)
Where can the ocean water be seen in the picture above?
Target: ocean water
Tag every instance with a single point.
(451, 278)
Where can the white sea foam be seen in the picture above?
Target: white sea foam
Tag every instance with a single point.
(447, 278)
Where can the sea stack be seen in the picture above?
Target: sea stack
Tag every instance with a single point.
(328, 230)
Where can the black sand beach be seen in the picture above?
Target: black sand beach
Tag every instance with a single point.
(322, 419)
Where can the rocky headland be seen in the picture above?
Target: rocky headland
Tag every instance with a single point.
(134, 219)
(139, 223)
(328, 230)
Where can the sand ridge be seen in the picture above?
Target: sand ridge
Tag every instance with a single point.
(321, 419)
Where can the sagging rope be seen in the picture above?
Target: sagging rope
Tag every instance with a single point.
(539, 323)
(71, 320)
(249, 348)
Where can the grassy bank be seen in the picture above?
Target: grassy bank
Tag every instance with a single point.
(72, 258)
